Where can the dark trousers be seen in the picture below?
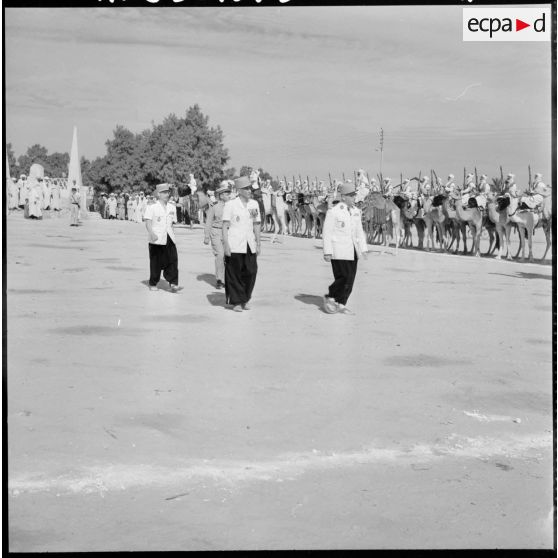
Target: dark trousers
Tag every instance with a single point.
(344, 273)
(240, 277)
(163, 258)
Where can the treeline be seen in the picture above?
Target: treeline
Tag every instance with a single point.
(168, 152)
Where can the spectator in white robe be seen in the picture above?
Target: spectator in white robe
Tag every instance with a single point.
(74, 206)
(13, 194)
(130, 208)
(35, 186)
(46, 192)
(112, 206)
(23, 193)
(55, 195)
(140, 208)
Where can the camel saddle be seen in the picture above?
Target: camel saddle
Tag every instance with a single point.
(438, 200)
(473, 204)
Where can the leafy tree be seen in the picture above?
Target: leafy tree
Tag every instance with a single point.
(124, 162)
(94, 174)
(180, 146)
(35, 154)
(57, 165)
(85, 165)
(14, 168)
(229, 174)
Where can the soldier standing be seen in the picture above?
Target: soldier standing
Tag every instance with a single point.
(241, 241)
(160, 217)
(344, 243)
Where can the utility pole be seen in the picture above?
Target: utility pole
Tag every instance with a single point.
(381, 149)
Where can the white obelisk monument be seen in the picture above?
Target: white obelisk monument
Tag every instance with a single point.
(74, 174)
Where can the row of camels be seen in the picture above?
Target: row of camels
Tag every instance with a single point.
(441, 219)
(445, 216)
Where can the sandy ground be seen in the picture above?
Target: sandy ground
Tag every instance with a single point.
(146, 420)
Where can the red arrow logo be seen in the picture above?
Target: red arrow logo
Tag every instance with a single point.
(519, 25)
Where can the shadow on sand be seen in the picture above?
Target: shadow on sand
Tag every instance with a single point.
(525, 275)
(163, 285)
(311, 299)
(217, 299)
(209, 278)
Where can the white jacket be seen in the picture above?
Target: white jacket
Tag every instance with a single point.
(343, 233)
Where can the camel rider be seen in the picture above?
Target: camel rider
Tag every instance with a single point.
(535, 195)
(512, 192)
(266, 188)
(406, 190)
(362, 187)
(484, 190)
(361, 180)
(450, 185)
(289, 192)
(335, 197)
(388, 188)
(362, 193)
(469, 190)
(424, 187)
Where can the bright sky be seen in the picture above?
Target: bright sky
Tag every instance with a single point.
(296, 90)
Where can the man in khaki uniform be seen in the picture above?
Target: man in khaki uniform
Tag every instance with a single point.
(214, 231)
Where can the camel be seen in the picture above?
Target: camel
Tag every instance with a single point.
(546, 223)
(279, 208)
(527, 221)
(304, 214)
(383, 213)
(434, 217)
(408, 211)
(457, 227)
(319, 210)
(268, 220)
(500, 219)
(293, 221)
(473, 217)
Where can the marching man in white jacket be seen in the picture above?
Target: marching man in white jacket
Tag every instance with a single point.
(344, 243)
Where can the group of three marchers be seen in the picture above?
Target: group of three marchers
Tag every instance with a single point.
(233, 229)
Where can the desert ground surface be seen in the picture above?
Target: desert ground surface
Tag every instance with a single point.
(143, 420)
